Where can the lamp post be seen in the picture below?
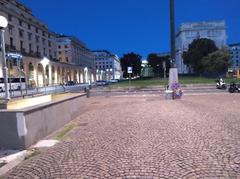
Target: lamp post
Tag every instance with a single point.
(172, 27)
(3, 25)
(173, 74)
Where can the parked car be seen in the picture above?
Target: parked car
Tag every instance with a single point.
(101, 83)
(70, 83)
(113, 81)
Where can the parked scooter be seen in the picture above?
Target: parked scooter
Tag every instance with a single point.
(234, 88)
(221, 84)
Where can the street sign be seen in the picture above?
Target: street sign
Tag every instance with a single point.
(129, 70)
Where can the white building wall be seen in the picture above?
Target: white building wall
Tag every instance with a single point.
(107, 64)
(214, 30)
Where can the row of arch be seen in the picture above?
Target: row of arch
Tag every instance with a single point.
(39, 74)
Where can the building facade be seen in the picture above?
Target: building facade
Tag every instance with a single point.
(147, 70)
(234, 50)
(214, 30)
(108, 65)
(28, 36)
(72, 51)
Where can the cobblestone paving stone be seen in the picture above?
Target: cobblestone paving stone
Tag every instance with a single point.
(146, 137)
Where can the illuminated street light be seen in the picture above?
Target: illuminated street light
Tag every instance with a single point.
(3, 22)
(3, 25)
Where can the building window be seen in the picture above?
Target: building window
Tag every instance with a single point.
(43, 33)
(49, 35)
(10, 29)
(9, 17)
(29, 26)
(43, 41)
(21, 45)
(44, 51)
(21, 33)
(29, 36)
(66, 46)
(37, 48)
(59, 46)
(49, 43)
(59, 52)
(20, 22)
(30, 48)
(11, 42)
(36, 30)
(37, 39)
(66, 59)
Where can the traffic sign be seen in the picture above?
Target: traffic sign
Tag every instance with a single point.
(129, 70)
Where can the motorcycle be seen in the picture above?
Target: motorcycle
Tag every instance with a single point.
(234, 88)
(221, 84)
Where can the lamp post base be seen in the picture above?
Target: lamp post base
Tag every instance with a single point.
(173, 76)
(172, 92)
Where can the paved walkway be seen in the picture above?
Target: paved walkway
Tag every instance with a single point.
(146, 137)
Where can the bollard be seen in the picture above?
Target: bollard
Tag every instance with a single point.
(88, 92)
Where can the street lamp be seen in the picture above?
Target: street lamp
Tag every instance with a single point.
(173, 74)
(3, 25)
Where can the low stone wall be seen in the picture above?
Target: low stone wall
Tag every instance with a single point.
(20, 129)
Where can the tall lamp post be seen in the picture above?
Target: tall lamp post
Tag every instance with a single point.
(3, 25)
(173, 73)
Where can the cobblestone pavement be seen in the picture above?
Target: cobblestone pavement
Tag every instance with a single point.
(146, 137)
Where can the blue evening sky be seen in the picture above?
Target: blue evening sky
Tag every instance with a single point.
(123, 26)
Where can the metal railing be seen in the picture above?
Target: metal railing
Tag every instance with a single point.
(45, 90)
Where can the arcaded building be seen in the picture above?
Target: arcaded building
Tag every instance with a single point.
(38, 45)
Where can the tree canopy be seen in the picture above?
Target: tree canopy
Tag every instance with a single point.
(156, 62)
(216, 62)
(198, 49)
(131, 60)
